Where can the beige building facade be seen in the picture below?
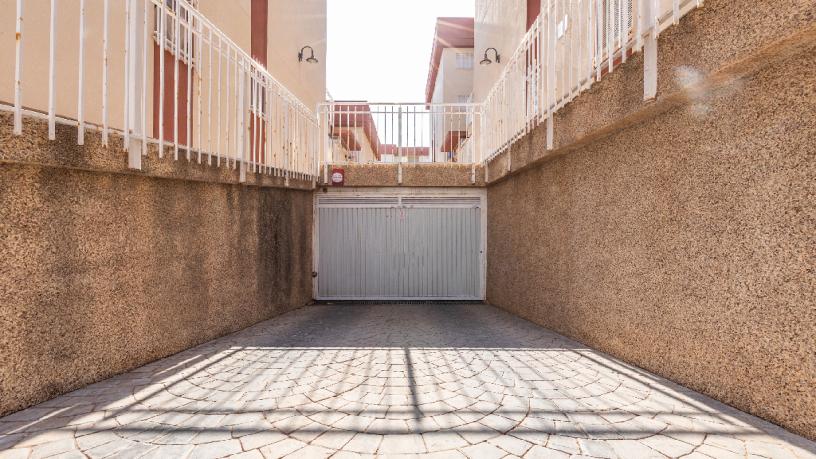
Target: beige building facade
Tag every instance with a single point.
(498, 24)
(450, 81)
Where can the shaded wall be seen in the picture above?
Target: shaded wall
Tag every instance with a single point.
(103, 271)
(685, 241)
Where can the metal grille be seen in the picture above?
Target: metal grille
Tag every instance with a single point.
(399, 248)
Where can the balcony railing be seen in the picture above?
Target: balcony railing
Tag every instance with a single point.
(366, 132)
(198, 93)
(571, 45)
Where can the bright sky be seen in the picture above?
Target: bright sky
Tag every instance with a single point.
(379, 50)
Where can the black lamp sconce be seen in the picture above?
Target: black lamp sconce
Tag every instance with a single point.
(311, 59)
(487, 60)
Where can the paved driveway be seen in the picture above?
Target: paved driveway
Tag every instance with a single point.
(452, 381)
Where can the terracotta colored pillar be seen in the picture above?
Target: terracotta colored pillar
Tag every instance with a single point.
(533, 8)
(260, 22)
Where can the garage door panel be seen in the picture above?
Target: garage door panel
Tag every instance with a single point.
(376, 249)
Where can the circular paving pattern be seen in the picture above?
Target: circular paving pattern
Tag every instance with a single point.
(345, 381)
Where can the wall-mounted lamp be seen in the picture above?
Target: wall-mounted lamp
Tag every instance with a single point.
(311, 59)
(487, 60)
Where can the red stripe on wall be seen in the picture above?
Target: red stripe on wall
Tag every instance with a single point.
(533, 9)
(258, 31)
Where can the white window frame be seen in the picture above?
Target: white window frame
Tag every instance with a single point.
(171, 9)
(464, 61)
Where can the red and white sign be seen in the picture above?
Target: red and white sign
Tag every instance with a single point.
(338, 176)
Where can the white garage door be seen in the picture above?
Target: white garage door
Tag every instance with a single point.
(385, 247)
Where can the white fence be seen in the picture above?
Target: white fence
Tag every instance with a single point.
(172, 77)
(364, 132)
(572, 44)
(159, 72)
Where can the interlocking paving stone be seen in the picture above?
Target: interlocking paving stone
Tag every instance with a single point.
(363, 381)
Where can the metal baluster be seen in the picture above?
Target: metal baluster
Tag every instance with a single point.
(52, 135)
(18, 71)
(81, 76)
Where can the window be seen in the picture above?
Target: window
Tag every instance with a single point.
(185, 22)
(464, 61)
(258, 86)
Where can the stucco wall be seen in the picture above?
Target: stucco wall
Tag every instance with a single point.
(102, 270)
(293, 25)
(457, 81)
(499, 24)
(413, 174)
(684, 241)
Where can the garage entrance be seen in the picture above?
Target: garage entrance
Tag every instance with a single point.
(400, 245)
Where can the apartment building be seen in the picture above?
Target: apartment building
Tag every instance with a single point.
(450, 81)
(364, 133)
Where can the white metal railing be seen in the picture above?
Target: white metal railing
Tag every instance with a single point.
(572, 44)
(213, 102)
(364, 132)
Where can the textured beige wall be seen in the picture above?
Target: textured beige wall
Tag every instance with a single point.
(682, 242)
(457, 82)
(102, 270)
(232, 18)
(413, 174)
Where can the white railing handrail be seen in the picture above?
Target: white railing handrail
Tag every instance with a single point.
(418, 104)
(359, 131)
(256, 66)
(266, 128)
(569, 46)
(251, 120)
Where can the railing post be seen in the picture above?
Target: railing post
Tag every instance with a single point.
(639, 29)
(18, 72)
(322, 135)
(551, 94)
(287, 149)
(650, 52)
(187, 52)
(399, 146)
(241, 131)
(52, 72)
(162, 49)
(81, 77)
(176, 56)
(134, 91)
